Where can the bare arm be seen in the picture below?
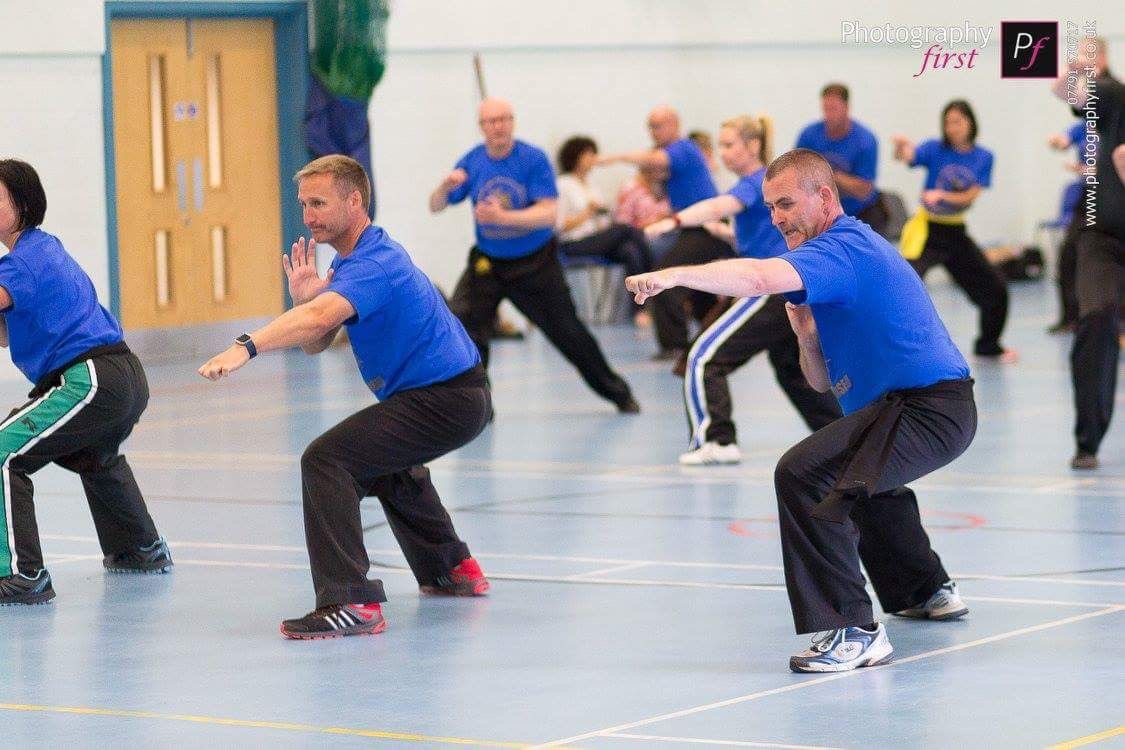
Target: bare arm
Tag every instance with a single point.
(958, 198)
(904, 149)
(538, 215)
(1119, 161)
(698, 214)
(740, 277)
(654, 158)
(856, 187)
(5, 303)
(305, 324)
(439, 198)
(808, 340)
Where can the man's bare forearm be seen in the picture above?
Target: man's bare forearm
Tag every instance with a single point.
(537, 216)
(853, 186)
(812, 363)
(439, 199)
(325, 341)
(740, 277)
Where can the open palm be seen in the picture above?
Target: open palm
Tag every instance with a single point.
(300, 268)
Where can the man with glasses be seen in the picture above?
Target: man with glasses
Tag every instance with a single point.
(512, 188)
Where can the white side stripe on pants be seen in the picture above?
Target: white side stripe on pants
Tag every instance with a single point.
(4, 470)
(704, 348)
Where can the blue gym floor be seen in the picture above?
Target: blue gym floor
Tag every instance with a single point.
(635, 604)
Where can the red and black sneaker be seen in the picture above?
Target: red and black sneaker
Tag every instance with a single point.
(467, 579)
(336, 621)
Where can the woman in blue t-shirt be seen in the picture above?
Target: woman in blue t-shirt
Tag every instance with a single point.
(89, 392)
(751, 324)
(957, 170)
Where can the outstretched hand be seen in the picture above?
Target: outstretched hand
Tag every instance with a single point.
(226, 363)
(300, 268)
(647, 285)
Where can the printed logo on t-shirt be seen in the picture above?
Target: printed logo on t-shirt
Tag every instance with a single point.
(510, 194)
(842, 386)
(954, 178)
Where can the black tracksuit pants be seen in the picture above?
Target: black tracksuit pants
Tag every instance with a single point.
(77, 418)
(381, 451)
(1094, 356)
(617, 243)
(537, 287)
(822, 559)
(751, 325)
(694, 246)
(951, 246)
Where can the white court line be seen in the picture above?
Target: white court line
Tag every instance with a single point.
(1023, 483)
(595, 560)
(725, 743)
(832, 677)
(613, 569)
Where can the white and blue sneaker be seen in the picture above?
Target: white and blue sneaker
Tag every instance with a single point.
(844, 649)
(945, 604)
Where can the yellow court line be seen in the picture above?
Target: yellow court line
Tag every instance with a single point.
(1089, 739)
(282, 725)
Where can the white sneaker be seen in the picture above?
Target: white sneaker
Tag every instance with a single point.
(945, 604)
(712, 453)
(843, 650)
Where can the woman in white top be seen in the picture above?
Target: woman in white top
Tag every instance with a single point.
(584, 226)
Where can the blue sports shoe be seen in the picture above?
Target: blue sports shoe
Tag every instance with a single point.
(843, 650)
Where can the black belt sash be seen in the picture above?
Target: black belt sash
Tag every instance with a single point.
(872, 447)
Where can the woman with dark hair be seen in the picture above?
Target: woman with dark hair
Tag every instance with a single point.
(957, 170)
(89, 392)
(584, 226)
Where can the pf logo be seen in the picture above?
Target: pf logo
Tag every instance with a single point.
(1029, 49)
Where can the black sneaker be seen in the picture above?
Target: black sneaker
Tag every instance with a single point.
(23, 589)
(336, 621)
(155, 558)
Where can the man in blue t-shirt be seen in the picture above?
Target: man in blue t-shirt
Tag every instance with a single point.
(417, 359)
(687, 182)
(90, 390)
(512, 189)
(868, 332)
(853, 151)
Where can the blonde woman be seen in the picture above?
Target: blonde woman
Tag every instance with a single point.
(752, 324)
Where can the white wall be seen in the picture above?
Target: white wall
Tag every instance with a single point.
(50, 73)
(593, 66)
(598, 66)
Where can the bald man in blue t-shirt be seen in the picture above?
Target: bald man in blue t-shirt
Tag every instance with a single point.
(687, 181)
(868, 332)
(512, 189)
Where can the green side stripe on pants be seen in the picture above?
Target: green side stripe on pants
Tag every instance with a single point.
(26, 426)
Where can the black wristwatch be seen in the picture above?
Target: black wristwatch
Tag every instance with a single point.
(245, 340)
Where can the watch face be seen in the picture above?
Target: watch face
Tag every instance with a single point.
(243, 339)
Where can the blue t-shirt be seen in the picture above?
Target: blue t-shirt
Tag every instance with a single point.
(520, 179)
(55, 316)
(949, 169)
(878, 329)
(754, 233)
(689, 179)
(403, 334)
(857, 153)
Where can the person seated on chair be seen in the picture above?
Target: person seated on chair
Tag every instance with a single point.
(583, 225)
